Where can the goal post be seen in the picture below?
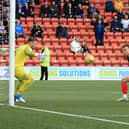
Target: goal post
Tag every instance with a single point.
(12, 52)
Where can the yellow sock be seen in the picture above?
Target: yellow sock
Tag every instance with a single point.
(18, 85)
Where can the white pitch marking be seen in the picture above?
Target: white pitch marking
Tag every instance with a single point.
(73, 115)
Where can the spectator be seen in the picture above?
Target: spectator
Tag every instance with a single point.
(99, 17)
(45, 1)
(17, 10)
(78, 12)
(61, 12)
(2, 27)
(74, 3)
(116, 25)
(22, 3)
(45, 11)
(53, 9)
(109, 6)
(68, 10)
(127, 13)
(92, 11)
(118, 4)
(120, 14)
(77, 48)
(4, 37)
(125, 24)
(5, 16)
(99, 31)
(6, 4)
(62, 31)
(37, 2)
(27, 10)
(37, 31)
(19, 30)
(84, 2)
(45, 63)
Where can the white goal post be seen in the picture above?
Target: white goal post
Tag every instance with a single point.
(12, 52)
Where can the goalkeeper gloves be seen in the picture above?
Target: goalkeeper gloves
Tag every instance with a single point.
(41, 56)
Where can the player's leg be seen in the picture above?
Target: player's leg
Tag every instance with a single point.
(42, 73)
(46, 73)
(24, 81)
(124, 87)
(28, 81)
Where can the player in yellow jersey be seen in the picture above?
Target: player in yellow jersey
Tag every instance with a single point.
(24, 79)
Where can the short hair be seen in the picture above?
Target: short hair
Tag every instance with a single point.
(32, 39)
(125, 45)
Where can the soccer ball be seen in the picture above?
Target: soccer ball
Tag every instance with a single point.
(89, 59)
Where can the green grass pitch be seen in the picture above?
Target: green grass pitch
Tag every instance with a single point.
(92, 98)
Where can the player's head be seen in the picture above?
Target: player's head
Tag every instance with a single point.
(32, 42)
(125, 49)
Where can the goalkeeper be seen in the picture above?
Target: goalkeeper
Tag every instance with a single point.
(24, 79)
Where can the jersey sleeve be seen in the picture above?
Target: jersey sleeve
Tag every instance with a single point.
(29, 52)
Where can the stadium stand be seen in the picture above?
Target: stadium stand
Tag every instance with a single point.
(108, 55)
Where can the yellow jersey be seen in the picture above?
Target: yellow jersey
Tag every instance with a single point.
(22, 54)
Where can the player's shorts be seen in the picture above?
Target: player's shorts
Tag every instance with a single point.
(21, 74)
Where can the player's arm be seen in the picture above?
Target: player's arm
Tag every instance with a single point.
(29, 52)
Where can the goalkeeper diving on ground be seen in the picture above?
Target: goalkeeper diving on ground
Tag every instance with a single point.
(24, 79)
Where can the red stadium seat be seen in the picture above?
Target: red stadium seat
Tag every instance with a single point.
(124, 63)
(98, 63)
(115, 63)
(64, 63)
(71, 21)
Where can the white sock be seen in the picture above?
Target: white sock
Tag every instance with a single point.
(125, 95)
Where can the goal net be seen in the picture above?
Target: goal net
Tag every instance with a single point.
(4, 56)
(7, 43)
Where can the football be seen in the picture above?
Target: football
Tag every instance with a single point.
(89, 59)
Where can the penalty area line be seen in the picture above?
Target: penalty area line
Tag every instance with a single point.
(72, 115)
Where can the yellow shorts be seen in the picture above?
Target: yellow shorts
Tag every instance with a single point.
(21, 74)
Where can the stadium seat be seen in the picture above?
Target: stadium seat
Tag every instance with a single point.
(74, 28)
(23, 20)
(78, 56)
(54, 21)
(115, 63)
(96, 56)
(81, 63)
(55, 63)
(108, 49)
(29, 63)
(107, 63)
(120, 56)
(64, 20)
(30, 21)
(92, 48)
(70, 56)
(82, 28)
(64, 62)
(72, 62)
(98, 63)
(104, 56)
(71, 21)
(117, 49)
(124, 63)
(58, 48)
(46, 21)
(79, 21)
(112, 56)
(36, 62)
(100, 49)
(66, 49)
